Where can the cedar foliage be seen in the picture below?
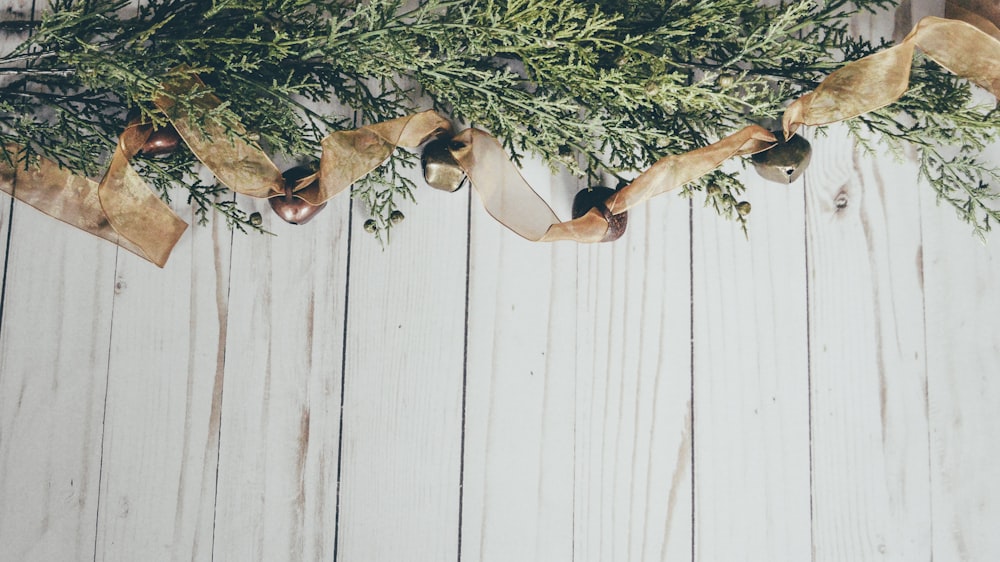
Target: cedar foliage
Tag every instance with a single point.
(598, 86)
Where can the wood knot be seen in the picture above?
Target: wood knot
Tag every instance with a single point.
(840, 201)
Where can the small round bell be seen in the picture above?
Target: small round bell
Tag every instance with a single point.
(785, 161)
(441, 170)
(289, 206)
(162, 142)
(594, 197)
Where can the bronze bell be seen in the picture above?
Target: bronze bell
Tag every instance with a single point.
(441, 170)
(594, 197)
(289, 206)
(785, 161)
(162, 142)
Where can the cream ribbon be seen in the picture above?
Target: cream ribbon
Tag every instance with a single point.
(123, 210)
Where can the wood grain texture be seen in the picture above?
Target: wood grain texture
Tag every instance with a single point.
(963, 351)
(633, 419)
(826, 390)
(53, 371)
(163, 401)
(12, 11)
(402, 416)
(277, 482)
(871, 497)
(160, 446)
(751, 379)
(56, 322)
(521, 373)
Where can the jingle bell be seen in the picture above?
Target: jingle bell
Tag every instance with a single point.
(162, 142)
(441, 170)
(785, 161)
(289, 206)
(594, 197)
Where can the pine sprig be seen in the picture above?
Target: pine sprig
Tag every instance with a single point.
(596, 86)
(938, 117)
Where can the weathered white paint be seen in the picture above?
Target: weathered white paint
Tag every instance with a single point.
(404, 365)
(870, 481)
(751, 379)
(963, 384)
(825, 390)
(633, 419)
(277, 480)
(57, 318)
(521, 366)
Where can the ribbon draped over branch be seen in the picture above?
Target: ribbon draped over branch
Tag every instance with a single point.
(239, 164)
(877, 80)
(511, 201)
(122, 209)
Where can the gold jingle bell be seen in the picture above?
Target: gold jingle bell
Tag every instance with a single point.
(785, 161)
(289, 206)
(594, 197)
(441, 170)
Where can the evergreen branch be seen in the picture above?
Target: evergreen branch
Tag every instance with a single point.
(597, 86)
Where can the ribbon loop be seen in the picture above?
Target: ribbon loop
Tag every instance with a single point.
(122, 208)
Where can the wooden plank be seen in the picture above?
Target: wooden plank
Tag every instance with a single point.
(751, 380)
(56, 322)
(277, 483)
(871, 497)
(164, 400)
(53, 371)
(402, 415)
(15, 11)
(963, 350)
(633, 421)
(163, 405)
(520, 406)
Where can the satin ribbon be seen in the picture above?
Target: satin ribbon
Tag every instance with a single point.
(123, 210)
(512, 202)
(877, 80)
(244, 168)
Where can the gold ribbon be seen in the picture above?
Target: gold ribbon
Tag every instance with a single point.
(880, 79)
(239, 164)
(243, 167)
(123, 210)
(510, 200)
(350, 155)
(984, 14)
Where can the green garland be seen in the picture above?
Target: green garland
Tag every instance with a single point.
(600, 87)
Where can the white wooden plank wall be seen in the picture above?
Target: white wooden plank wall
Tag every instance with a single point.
(54, 359)
(827, 389)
